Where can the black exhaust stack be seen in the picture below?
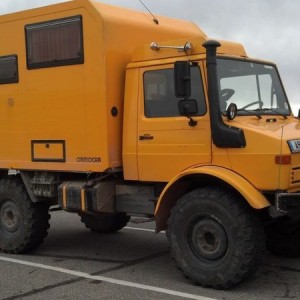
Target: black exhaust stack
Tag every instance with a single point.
(223, 136)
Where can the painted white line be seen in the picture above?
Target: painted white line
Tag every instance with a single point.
(141, 229)
(105, 279)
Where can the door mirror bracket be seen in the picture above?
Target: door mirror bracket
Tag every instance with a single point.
(188, 108)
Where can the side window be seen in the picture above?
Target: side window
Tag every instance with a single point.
(54, 43)
(9, 69)
(159, 94)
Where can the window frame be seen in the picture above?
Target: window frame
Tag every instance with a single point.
(12, 79)
(279, 87)
(58, 62)
(168, 68)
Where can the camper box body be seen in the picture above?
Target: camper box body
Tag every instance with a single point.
(61, 109)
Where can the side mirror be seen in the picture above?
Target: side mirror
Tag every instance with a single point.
(182, 79)
(231, 111)
(188, 107)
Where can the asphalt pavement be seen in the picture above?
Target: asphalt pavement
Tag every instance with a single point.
(134, 263)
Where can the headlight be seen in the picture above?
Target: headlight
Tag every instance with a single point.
(294, 146)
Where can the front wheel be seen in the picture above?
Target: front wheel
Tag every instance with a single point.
(283, 237)
(215, 239)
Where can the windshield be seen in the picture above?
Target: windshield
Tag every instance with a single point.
(254, 87)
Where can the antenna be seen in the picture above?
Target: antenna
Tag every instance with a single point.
(154, 18)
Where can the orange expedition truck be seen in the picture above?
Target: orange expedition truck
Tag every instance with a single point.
(110, 114)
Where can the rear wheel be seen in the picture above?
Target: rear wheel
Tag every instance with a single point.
(283, 238)
(23, 224)
(215, 238)
(105, 222)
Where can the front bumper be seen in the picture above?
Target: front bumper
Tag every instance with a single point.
(287, 203)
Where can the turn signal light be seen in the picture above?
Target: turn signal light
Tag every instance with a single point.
(283, 159)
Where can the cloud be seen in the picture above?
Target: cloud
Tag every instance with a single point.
(268, 29)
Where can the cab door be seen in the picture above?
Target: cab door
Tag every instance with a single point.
(166, 143)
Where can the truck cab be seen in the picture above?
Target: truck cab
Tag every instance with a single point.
(242, 123)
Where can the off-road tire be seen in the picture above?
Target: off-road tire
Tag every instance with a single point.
(283, 238)
(23, 224)
(215, 238)
(104, 222)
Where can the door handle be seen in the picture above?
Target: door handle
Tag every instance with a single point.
(146, 137)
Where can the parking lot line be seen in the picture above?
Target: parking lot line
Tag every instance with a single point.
(105, 279)
(141, 229)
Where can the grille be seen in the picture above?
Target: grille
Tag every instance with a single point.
(295, 170)
(295, 175)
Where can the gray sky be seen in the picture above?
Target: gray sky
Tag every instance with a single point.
(269, 29)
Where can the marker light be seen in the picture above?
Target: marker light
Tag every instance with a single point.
(283, 159)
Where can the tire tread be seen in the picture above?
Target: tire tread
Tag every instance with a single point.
(37, 218)
(250, 227)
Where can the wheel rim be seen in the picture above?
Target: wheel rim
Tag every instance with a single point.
(208, 239)
(10, 217)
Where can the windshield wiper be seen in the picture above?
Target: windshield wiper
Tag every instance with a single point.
(249, 112)
(272, 110)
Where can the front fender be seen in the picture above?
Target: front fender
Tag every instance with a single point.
(179, 185)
